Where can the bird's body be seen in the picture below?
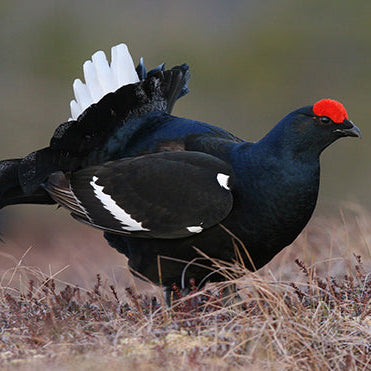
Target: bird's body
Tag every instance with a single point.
(165, 187)
(268, 211)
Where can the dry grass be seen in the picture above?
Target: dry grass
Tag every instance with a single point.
(321, 324)
(308, 319)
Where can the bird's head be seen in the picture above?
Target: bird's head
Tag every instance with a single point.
(313, 128)
(331, 116)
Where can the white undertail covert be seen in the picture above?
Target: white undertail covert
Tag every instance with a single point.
(102, 78)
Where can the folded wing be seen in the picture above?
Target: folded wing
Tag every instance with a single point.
(162, 195)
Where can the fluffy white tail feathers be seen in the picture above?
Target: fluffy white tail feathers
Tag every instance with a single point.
(102, 78)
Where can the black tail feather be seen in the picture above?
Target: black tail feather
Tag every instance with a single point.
(157, 92)
(16, 196)
(173, 83)
(11, 191)
(35, 168)
(9, 174)
(176, 80)
(8, 178)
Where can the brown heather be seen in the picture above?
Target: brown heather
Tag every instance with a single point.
(318, 321)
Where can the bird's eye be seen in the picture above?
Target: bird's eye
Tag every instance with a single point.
(324, 119)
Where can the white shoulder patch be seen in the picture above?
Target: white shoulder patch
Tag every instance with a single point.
(128, 223)
(223, 180)
(195, 229)
(102, 78)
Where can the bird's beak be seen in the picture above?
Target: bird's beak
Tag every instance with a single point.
(348, 129)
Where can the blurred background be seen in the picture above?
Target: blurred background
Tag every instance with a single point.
(252, 62)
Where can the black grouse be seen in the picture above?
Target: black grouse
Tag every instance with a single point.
(161, 186)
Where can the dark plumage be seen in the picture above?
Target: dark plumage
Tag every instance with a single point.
(160, 185)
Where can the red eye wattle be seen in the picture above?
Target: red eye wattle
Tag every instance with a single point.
(332, 109)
